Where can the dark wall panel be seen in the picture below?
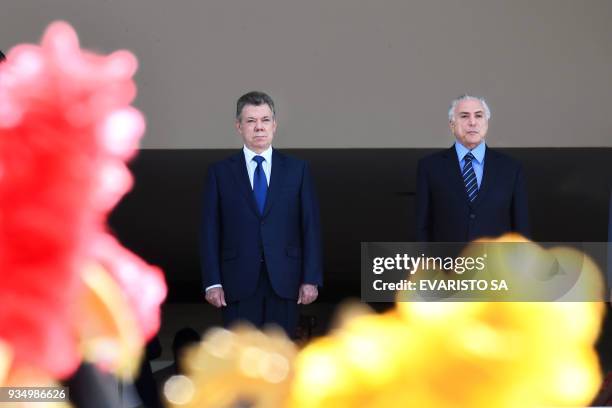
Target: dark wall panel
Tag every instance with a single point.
(365, 195)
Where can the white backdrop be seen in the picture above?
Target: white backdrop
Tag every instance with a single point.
(350, 73)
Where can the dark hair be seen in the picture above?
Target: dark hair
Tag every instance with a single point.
(2, 57)
(184, 338)
(254, 98)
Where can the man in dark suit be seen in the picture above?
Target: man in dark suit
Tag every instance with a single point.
(260, 246)
(470, 190)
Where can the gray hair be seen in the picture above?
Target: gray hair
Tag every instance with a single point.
(451, 110)
(255, 98)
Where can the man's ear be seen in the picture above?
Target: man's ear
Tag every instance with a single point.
(238, 126)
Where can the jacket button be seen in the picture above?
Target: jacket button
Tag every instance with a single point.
(472, 216)
(262, 223)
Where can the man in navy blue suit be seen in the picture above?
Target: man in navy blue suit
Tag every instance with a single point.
(260, 242)
(470, 190)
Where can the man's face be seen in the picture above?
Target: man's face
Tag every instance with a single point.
(469, 125)
(256, 126)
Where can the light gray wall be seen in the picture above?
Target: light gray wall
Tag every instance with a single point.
(350, 73)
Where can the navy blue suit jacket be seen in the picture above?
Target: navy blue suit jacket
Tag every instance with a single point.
(444, 213)
(236, 239)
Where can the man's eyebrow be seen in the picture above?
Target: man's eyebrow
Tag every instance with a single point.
(467, 113)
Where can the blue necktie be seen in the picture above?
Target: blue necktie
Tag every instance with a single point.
(469, 177)
(260, 185)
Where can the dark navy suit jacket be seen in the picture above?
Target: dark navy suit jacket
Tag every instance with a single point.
(444, 213)
(236, 239)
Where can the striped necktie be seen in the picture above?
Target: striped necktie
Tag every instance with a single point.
(469, 177)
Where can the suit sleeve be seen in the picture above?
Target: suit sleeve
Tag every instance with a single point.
(312, 258)
(210, 232)
(423, 213)
(520, 206)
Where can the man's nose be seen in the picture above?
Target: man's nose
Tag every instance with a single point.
(472, 121)
(259, 125)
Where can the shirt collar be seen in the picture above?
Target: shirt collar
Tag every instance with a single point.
(249, 154)
(478, 151)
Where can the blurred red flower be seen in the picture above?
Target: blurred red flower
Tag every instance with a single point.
(66, 129)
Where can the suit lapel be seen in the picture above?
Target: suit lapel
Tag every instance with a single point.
(488, 174)
(453, 169)
(238, 166)
(276, 180)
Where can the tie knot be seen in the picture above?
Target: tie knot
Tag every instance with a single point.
(259, 159)
(468, 157)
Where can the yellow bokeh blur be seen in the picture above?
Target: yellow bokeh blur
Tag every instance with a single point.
(427, 354)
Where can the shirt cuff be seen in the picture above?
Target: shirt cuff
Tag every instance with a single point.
(213, 286)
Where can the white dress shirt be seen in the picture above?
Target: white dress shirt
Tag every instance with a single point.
(252, 164)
